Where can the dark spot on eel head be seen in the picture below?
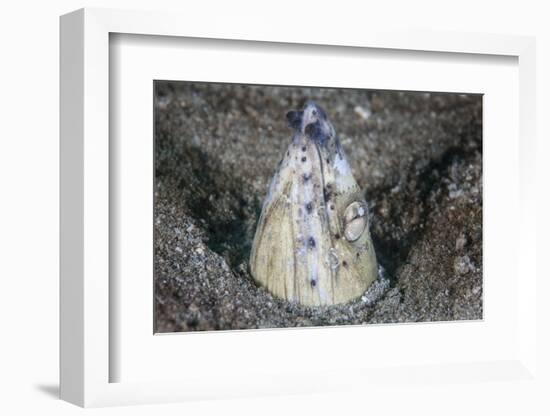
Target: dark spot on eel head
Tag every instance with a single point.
(332, 207)
(309, 207)
(307, 177)
(294, 119)
(337, 236)
(304, 149)
(313, 282)
(311, 242)
(345, 263)
(327, 193)
(304, 159)
(313, 131)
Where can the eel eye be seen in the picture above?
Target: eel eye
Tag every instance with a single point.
(355, 220)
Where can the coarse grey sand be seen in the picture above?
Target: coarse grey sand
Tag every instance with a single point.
(418, 156)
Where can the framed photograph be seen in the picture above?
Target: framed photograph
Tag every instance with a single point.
(260, 220)
(276, 212)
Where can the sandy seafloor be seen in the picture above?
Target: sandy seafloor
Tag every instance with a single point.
(418, 156)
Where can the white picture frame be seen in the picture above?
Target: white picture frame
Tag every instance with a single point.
(86, 355)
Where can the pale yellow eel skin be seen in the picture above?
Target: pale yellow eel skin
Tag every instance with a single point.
(312, 244)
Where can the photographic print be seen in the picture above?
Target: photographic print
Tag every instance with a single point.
(290, 206)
